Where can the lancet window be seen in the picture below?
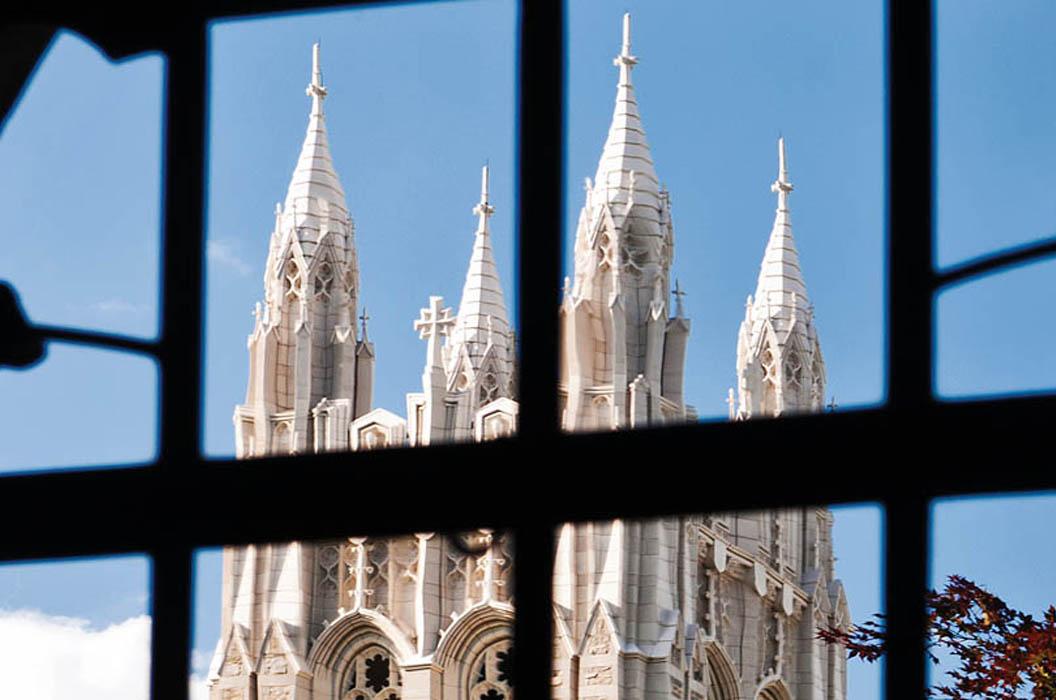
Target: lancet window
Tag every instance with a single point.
(372, 675)
(324, 279)
(489, 387)
(292, 284)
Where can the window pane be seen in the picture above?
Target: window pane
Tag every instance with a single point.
(382, 212)
(80, 186)
(656, 293)
(718, 606)
(990, 338)
(79, 407)
(75, 629)
(420, 617)
(999, 546)
(996, 104)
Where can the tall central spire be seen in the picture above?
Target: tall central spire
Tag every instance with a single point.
(781, 286)
(626, 163)
(314, 176)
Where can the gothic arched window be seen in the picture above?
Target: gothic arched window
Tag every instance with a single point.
(492, 673)
(372, 675)
(324, 279)
(489, 387)
(793, 370)
(292, 285)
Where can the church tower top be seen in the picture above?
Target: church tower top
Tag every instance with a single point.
(625, 170)
(781, 292)
(314, 176)
(482, 319)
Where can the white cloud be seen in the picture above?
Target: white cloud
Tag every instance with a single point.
(118, 306)
(56, 658)
(198, 689)
(222, 252)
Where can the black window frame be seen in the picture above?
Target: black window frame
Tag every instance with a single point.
(869, 455)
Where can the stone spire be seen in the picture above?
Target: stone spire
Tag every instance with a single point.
(482, 320)
(778, 339)
(624, 352)
(314, 177)
(626, 149)
(780, 286)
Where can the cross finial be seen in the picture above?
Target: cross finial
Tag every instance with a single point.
(483, 209)
(363, 318)
(832, 405)
(678, 298)
(434, 322)
(625, 61)
(781, 185)
(315, 89)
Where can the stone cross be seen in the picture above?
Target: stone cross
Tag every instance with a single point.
(483, 209)
(678, 298)
(434, 322)
(363, 318)
(832, 405)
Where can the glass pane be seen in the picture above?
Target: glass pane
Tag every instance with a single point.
(420, 617)
(383, 211)
(718, 606)
(79, 407)
(670, 235)
(80, 185)
(996, 104)
(990, 339)
(1000, 547)
(75, 629)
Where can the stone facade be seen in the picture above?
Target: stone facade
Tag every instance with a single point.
(712, 607)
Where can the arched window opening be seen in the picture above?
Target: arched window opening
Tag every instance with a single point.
(324, 279)
(492, 673)
(372, 675)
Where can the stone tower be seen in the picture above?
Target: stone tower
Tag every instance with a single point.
(702, 607)
(412, 617)
(780, 369)
(308, 373)
(623, 352)
(468, 384)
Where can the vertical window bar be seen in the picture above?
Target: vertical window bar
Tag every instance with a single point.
(541, 146)
(184, 178)
(171, 571)
(179, 421)
(911, 278)
(910, 287)
(906, 567)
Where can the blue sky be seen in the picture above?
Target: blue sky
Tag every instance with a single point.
(419, 98)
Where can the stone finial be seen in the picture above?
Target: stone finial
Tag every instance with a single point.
(483, 209)
(781, 185)
(315, 89)
(625, 61)
(678, 294)
(363, 318)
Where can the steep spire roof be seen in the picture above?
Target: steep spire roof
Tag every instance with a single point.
(482, 312)
(781, 293)
(626, 149)
(314, 176)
